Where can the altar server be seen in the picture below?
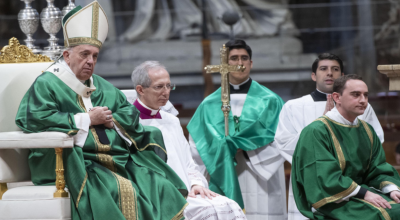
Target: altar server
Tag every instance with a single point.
(298, 113)
(246, 165)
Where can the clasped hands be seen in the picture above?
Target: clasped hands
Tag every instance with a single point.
(101, 116)
(196, 189)
(379, 201)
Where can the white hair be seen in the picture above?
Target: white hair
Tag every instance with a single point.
(140, 75)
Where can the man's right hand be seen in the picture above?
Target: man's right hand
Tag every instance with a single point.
(377, 200)
(100, 115)
(329, 103)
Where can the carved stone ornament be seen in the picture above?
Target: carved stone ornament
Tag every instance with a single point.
(393, 72)
(17, 53)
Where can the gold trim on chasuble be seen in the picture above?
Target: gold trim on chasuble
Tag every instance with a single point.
(127, 198)
(81, 190)
(385, 183)
(339, 152)
(366, 127)
(133, 141)
(382, 210)
(343, 125)
(180, 213)
(104, 159)
(336, 197)
(107, 161)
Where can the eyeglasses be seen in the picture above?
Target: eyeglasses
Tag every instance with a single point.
(160, 87)
(236, 58)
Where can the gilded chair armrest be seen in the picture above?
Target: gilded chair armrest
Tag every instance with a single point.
(21, 140)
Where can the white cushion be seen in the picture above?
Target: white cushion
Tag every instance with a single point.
(30, 193)
(18, 139)
(34, 202)
(16, 78)
(14, 165)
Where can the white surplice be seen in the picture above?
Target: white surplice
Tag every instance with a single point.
(261, 176)
(181, 161)
(296, 114)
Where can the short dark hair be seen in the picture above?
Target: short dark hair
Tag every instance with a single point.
(326, 56)
(340, 83)
(239, 44)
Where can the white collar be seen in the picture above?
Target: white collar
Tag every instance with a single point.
(153, 112)
(335, 115)
(236, 87)
(62, 62)
(324, 92)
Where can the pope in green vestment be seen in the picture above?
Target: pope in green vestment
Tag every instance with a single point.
(117, 168)
(113, 181)
(330, 161)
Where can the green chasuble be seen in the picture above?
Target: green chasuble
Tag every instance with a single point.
(330, 161)
(256, 128)
(113, 181)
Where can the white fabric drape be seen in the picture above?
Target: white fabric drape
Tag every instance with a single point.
(181, 161)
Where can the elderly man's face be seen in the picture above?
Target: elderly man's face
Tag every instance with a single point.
(157, 94)
(82, 59)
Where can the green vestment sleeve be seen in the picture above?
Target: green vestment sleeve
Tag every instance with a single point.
(41, 107)
(380, 173)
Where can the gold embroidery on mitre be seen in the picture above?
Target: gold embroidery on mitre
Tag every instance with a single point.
(81, 190)
(339, 152)
(127, 197)
(95, 20)
(371, 139)
(107, 161)
(336, 197)
(14, 52)
(382, 210)
(83, 40)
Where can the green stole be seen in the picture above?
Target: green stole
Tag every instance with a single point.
(257, 126)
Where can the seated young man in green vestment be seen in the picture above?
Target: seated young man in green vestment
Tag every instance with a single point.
(113, 171)
(339, 169)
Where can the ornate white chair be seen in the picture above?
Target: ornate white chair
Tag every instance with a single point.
(19, 198)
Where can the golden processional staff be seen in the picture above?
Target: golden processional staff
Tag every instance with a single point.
(224, 69)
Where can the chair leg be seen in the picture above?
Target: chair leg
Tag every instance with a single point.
(60, 182)
(3, 189)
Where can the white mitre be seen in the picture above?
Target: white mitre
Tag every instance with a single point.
(88, 25)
